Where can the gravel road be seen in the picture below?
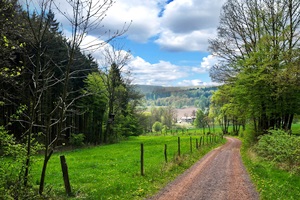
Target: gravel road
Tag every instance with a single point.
(219, 175)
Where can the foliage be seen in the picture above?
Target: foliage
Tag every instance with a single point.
(157, 126)
(200, 119)
(77, 140)
(259, 61)
(271, 182)
(94, 107)
(12, 156)
(280, 147)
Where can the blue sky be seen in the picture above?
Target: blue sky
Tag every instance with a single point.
(167, 39)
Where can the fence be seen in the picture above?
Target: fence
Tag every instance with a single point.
(203, 140)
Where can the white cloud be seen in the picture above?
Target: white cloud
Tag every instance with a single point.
(181, 25)
(193, 41)
(188, 24)
(142, 72)
(143, 14)
(196, 82)
(161, 73)
(186, 16)
(206, 64)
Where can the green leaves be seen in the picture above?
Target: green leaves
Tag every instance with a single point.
(281, 148)
(258, 46)
(5, 41)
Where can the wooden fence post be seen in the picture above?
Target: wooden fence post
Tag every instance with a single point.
(200, 142)
(207, 140)
(142, 159)
(165, 152)
(64, 168)
(197, 146)
(178, 146)
(191, 145)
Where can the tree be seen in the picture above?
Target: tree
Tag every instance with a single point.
(47, 72)
(94, 107)
(168, 115)
(257, 46)
(219, 108)
(200, 121)
(11, 61)
(115, 86)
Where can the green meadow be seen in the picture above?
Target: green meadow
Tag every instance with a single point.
(114, 171)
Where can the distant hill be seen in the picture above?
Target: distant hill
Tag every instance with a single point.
(179, 97)
(144, 89)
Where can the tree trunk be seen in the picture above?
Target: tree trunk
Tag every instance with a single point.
(43, 175)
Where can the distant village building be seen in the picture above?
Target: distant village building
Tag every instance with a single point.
(190, 119)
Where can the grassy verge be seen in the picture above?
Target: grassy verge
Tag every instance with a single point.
(296, 128)
(113, 171)
(271, 182)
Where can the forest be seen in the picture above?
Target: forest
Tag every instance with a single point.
(49, 86)
(178, 97)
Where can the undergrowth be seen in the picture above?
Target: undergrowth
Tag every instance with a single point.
(281, 148)
(274, 175)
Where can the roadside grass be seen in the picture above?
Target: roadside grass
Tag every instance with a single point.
(270, 181)
(113, 171)
(296, 128)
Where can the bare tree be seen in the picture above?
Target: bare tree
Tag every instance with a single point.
(115, 84)
(244, 23)
(84, 16)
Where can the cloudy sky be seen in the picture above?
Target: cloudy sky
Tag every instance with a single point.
(168, 39)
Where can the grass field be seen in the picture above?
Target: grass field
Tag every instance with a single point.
(113, 171)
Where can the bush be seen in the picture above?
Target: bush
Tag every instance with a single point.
(280, 147)
(12, 157)
(157, 126)
(77, 139)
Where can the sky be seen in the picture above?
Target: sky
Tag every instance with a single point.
(167, 39)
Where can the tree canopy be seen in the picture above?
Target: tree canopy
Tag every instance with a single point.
(258, 47)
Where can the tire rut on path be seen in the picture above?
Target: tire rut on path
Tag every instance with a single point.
(219, 175)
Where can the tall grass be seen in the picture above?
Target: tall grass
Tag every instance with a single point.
(113, 171)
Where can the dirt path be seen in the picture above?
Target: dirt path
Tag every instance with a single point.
(219, 175)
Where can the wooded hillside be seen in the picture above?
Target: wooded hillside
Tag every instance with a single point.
(178, 97)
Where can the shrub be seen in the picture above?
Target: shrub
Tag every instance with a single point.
(12, 157)
(77, 139)
(157, 126)
(280, 147)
